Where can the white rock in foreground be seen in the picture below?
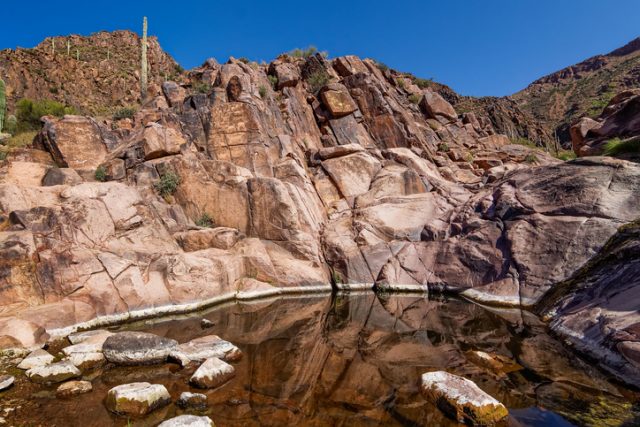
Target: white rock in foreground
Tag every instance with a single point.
(192, 400)
(36, 358)
(54, 373)
(187, 421)
(73, 388)
(203, 348)
(212, 373)
(137, 398)
(461, 399)
(6, 381)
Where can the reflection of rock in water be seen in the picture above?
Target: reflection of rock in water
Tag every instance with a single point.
(356, 360)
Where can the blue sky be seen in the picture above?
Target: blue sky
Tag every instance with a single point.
(479, 47)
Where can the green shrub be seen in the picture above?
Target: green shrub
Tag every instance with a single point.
(29, 112)
(469, 157)
(205, 221)
(303, 53)
(263, 91)
(124, 113)
(531, 158)
(335, 277)
(168, 183)
(566, 155)
(414, 99)
(178, 69)
(201, 87)
(381, 66)
(21, 139)
(3, 155)
(317, 80)
(274, 81)
(400, 82)
(616, 146)
(101, 174)
(422, 83)
(444, 147)
(523, 141)
(11, 125)
(244, 60)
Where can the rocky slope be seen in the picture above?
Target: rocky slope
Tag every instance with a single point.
(584, 89)
(248, 180)
(95, 74)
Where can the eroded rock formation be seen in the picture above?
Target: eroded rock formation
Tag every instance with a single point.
(247, 188)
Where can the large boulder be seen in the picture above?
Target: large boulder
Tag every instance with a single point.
(336, 98)
(212, 373)
(159, 141)
(53, 373)
(137, 399)
(434, 106)
(137, 348)
(461, 399)
(200, 349)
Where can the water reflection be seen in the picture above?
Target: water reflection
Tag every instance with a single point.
(348, 360)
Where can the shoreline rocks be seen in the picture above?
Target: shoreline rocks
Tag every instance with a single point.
(53, 373)
(73, 388)
(137, 399)
(212, 373)
(187, 421)
(461, 399)
(137, 348)
(200, 349)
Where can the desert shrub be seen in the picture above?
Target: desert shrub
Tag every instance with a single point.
(205, 221)
(566, 155)
(400, 82)
(523, 141)
(3, 155)
(178, 69)
(21, 139)
(469, 157)
(335, 277)
(422, 83)
(201, 87)
(168, 183)
(244, 60)
(11, 125)
(616, 146)
(124, 113)
(273, 80)
(414, 98)
(381, 66)
(531, 158)
(101, 174)
(303, 53)
(317, 80)
(443, 146)
(29, 112)
(262, 90)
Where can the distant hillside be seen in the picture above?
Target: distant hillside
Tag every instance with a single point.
(95, 74)
(581, 90)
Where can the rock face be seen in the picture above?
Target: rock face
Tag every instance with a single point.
(137, 398)
(97, 72)
(137, 348)
(237, 194)
(461, 399)
(212, 373)
(620, 119)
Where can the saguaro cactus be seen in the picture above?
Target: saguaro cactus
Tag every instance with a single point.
(53, 46)
(143, 61)
(68, 47)
(3, 103)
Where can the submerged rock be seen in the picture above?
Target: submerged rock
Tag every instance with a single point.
(203, 348)
(73, 388)
(137, 398)
(192, 400)
(36, 358)
(212, 373)
(137, 348)
(461, 399)
(54, 373)
(6, 381)
(187, 421)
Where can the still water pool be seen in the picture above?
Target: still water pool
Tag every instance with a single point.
(352, 360)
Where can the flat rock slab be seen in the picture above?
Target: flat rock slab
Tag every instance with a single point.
(6, 381)
(92, 336)
(36, 358)
(137, 348)
(192, 400)
(137, 398)
(54, 373)
(461, 399)
(212, 373)
(73, 388)
(187, 421)
(203, 348)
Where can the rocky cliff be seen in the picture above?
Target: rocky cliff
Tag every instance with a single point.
(96, 74)
(556, 101)
(245, 180)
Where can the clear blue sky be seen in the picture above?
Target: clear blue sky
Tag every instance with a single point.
(479, 47)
